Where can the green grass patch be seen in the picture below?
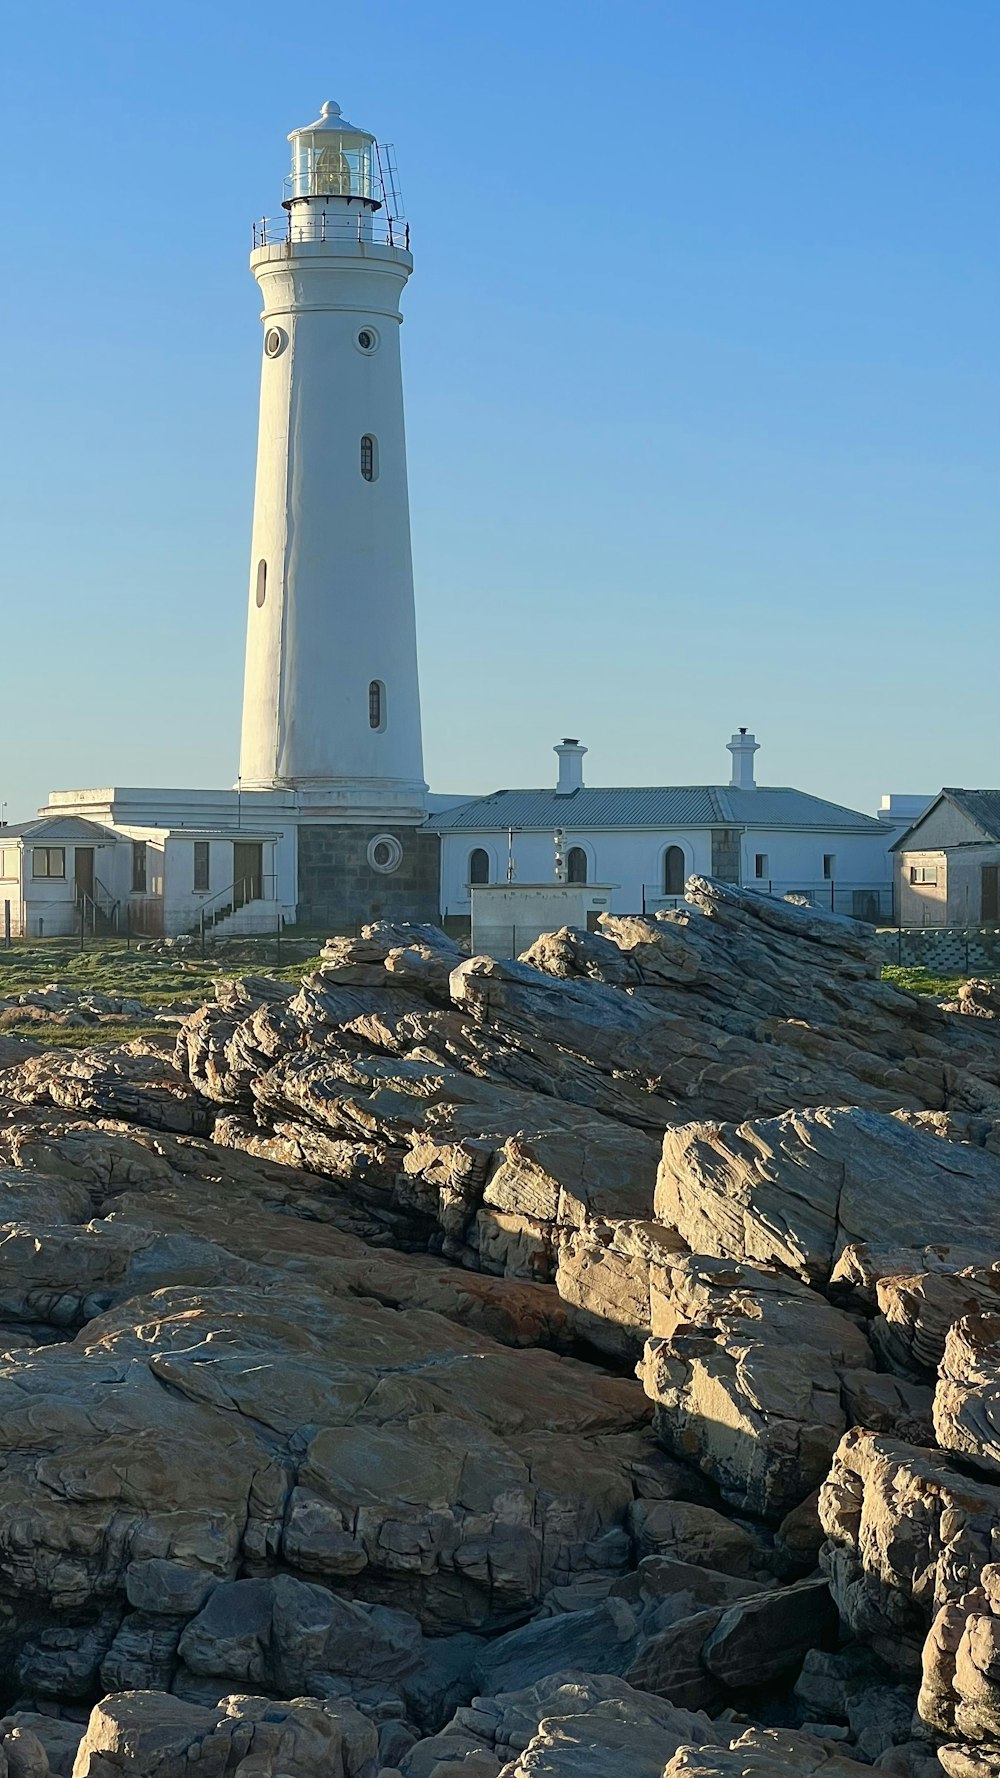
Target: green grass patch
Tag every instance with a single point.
(155, 978)
(924, 981)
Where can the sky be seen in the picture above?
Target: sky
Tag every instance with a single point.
(701, 377)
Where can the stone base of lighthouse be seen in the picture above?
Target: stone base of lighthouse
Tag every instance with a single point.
(349, 875)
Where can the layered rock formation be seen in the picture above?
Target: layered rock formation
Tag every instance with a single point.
(321, 1447)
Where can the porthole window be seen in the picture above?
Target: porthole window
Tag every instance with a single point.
(367, 339)
(274, 340)
(369, 458)
(261, 592)
(376, 705)
(385, 854)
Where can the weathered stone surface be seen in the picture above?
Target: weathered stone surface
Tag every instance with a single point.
(967, 1398)
(767, 1751)
(906, 1532)
(748, 1369)
(918, 1306)
(688, 1532)
(570, 1725)
(153, 1735)
(796, 1190)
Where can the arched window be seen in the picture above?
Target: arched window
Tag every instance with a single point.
(369, 458)
(479, 866)
(261, 593)
(376, 705)
(673, 871)
(576, 865)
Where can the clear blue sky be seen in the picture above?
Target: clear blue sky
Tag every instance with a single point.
(701, 360)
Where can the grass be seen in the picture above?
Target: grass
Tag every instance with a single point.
(924, 981)
(158, 980)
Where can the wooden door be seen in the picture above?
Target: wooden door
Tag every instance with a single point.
(248, 871)
(990, 892)
(84, 871)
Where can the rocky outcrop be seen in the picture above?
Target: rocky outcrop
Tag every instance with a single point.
(319, 1450)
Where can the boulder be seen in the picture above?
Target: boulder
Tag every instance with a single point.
(154, 1735)
(796, 1190)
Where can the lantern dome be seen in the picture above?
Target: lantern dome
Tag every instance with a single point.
(332, 158)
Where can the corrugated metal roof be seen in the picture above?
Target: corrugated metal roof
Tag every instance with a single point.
(72, 828)
(668, 806)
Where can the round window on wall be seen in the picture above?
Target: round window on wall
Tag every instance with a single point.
(274, 340)
(385, 854)
(367, 339)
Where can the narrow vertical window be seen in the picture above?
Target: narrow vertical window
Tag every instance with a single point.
(376, 705)
(201, 866)
(673, 871)
(761, 867)
(138, 867)
(576, 865)
(261, 593)
(369, 458)
(479, 865)
(829, 866)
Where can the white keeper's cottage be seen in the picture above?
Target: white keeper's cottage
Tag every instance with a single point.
(330, 822)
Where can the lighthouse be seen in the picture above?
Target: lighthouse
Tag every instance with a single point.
(331, 705)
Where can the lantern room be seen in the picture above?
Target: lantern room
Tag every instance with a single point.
(332, 158)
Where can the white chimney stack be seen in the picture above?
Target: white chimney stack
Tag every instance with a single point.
(570, 766)
(742, 747)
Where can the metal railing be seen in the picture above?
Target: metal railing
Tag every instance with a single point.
(334, 226)
(99, 907)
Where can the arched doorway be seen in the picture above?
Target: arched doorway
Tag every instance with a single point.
(479, 865)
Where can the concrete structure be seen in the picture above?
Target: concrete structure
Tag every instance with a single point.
(948, 862)
(648, 840)
(508, 917)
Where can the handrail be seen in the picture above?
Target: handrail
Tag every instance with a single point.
(261, 877)
(333, 226)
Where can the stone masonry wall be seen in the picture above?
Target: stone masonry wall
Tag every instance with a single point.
(726, 854)
(339, 889)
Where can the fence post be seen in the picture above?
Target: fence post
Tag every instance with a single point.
(277, 942)
(966, 950)
(6, 925)
(202, 918)
(128, 927)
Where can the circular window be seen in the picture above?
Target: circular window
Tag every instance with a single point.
(274, 341)
(367, 339)
(385, 853)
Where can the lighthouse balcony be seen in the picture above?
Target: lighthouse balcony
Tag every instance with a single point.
(341, 228)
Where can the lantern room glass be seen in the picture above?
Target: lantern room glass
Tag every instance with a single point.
(332, 163)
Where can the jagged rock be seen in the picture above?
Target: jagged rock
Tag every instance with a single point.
(696, 1660)
(917, 1307)
(153, 1735)
(687, 1532)
(569, 1725)
(967, 1398)
(749, 1370)
(769, 1752)
(906, 1535)
(130, 1082)
(795, 1190)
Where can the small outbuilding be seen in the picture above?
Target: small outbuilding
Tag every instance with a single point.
(948, 862)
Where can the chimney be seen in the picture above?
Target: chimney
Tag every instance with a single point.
(742, 747)
(570, 766)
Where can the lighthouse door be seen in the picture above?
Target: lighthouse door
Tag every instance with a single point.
(248, 872)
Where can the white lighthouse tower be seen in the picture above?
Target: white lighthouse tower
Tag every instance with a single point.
(331, 707)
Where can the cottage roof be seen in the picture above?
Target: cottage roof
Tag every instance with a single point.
(56, 829)
(981, 806)
(652, 806)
